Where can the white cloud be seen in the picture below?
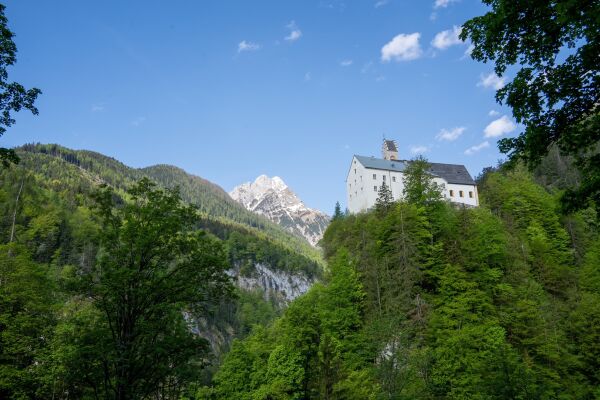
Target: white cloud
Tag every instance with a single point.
(419, 149)
(491, 80)
(97, 107)
(295, 32)
(247, 46)
(493, 113)
(380, 78)
(499, 127)
(474, 149)
(469, 50)
(443, 3)
(138, 121)
(447, 38)
(450, 135)
(346, 63)
(381, 3)
(403, 47)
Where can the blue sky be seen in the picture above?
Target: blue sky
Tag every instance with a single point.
(229, 90)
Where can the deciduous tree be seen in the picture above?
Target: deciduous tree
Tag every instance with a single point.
(555, 46)
(13, 96)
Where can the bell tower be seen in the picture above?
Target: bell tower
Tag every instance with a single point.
(389, 150)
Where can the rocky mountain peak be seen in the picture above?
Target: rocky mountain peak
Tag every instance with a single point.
(272, 198)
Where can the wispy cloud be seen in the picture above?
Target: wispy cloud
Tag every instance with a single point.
(499, 127)
(469, 50)
(97, 107)
(450, 135)
(295, 32)
(307, 77)
(381, 3)
(403, 47)
(440, 4)
(443, 3)
(138, 121)
(474, 149)
(247, 46)
(419, 149)
(493, 113)
(380, 78)
(346, 63)
(447, 38)
(491, 80)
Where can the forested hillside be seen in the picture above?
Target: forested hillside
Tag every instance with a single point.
(425, 300)
(82, 170)
(51, 239)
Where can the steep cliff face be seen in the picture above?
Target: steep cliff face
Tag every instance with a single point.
(276, 287)
(280, 286)
(272, 198)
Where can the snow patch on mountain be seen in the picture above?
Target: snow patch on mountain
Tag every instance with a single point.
(272, 198)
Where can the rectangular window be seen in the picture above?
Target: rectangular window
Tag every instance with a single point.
(384, 178)
(354, 170)
(393, 179)
(374, 176)
(471, 194)
(374, 188)
(451, 193)
(461, 194)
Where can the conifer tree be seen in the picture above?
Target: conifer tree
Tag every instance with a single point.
(337, 213)
(384, 198)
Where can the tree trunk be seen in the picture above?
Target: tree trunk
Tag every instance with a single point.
(12, 230)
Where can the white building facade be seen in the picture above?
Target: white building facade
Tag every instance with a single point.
(367, 174)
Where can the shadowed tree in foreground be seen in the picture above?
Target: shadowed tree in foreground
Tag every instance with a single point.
(153, 271)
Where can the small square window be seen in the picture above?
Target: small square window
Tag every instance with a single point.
(374, 188)
(461, 194)
(374, 176)
(471, 194)
(451, 193)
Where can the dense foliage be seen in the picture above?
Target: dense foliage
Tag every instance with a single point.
(59, 262)
(555, 46)
(64, 169)
(425, 300)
